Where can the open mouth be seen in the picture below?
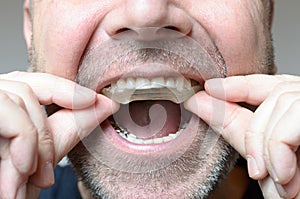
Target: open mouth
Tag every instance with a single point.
(150, 80)
(151, 116)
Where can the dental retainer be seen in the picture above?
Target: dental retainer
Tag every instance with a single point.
(177, 89)
(124, 97)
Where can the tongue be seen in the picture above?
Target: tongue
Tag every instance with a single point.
(149, 119)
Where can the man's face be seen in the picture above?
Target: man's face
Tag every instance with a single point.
(67, 33)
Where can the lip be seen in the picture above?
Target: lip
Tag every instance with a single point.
(110, 61)
(147, 60)
(148, 71)
(182, 142)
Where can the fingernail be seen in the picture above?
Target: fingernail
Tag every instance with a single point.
(49, 173)
(103, 101)
(252, 167)
(190, 104)
(280, 189)
(273, 175)
(214, 86)
(115, 106)
(84, 93)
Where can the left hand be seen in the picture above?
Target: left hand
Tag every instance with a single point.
(268, 137)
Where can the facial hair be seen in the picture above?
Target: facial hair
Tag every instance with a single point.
(192, 175)
(196, 172)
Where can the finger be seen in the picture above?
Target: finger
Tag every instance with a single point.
(252, 89)
(291, 189)
(283, 144)
(254, 150)
(244, 89)
(23, 136)
(234, 127)
(16, 99)
(69, 126)
(268, 115)
(228, 119)
(10, 179)
(32, 191)
(52, 89)
(261, 127)
(255, 140)
(44, 175)
(21, 192)
(24, 95)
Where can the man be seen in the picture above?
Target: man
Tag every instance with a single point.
(64, 35)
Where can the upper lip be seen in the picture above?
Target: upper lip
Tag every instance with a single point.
(146, 71)
(111, 61)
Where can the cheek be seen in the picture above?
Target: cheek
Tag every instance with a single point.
(238, 45)
(236, 33)
(61, 35)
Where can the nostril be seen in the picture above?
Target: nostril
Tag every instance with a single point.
(170, 32)
(122, 30)
(149, 33)
(172, 28)
(125, 33)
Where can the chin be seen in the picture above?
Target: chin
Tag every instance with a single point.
(110, 172)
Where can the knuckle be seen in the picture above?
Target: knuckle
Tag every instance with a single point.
(232, 118)
(296, 106)
(250, 139)
(286, 77)
(31, 130)
(12, 75)
(18, 100)
(46, 137)
(285, 86)
(25, 87)
(284, 99)
(266, 156)
(16, 73)
(246, 80)
(4, 97)
(280, 87)
(254, 143)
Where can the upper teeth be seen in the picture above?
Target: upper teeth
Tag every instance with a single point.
(158, 82)
(176, 89)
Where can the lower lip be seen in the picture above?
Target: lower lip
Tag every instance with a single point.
(184, 139)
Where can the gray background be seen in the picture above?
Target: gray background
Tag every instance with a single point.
(286, 33)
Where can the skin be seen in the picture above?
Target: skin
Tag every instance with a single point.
(270, 146)
(57, 34)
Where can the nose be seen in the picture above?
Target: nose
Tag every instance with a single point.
(138, 14)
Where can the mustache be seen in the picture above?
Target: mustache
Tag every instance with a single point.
(126, 52)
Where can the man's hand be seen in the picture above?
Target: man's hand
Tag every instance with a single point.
(268, 137)
(30, 143)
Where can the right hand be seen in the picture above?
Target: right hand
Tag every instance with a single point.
(30, 143)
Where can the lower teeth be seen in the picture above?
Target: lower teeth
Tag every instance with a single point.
(140, 137)
(132, 138)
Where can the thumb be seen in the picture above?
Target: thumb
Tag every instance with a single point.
(226, 118)
(69, 126)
